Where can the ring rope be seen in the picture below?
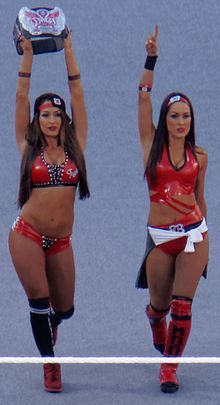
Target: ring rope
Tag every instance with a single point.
(109, 360)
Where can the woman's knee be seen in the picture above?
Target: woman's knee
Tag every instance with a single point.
(65, 314)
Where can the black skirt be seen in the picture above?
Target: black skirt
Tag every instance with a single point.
(141, 280)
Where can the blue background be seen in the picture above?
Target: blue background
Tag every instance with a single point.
(109, 233)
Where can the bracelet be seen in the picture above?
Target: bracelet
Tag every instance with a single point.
(150, 62)
(146, 88)
(74, 77)
(24, 74)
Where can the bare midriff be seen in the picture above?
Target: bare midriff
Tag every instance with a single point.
(50, 210)
(161, 214)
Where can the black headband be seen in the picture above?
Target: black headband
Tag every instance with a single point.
(55, 100)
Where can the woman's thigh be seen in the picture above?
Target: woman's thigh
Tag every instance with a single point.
(60, 270)
(160, 275)
(29, 262)
(189, 269)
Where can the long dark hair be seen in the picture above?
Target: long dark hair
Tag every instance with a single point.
(161, 135)
(36, 140)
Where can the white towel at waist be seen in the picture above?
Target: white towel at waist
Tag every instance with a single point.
(160, 235)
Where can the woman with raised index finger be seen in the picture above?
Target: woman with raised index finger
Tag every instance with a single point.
(177, 240)
(52, 168)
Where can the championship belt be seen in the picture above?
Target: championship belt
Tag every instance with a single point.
(45, 27)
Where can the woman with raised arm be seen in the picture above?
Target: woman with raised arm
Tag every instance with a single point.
(177, 241)
(52, 167)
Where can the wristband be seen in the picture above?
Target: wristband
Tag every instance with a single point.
(26, 75)
(150, 62)
(145, 88)
(74, 77)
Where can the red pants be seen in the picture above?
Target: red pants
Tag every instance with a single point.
(50, 245)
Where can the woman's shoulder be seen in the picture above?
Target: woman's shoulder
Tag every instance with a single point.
(201, 155)
(200, 150)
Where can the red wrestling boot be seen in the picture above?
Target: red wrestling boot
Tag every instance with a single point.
(52, 377)
(178, 333)
(158, 326)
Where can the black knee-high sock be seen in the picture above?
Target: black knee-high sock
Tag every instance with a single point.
(56, 317)
(41, 325)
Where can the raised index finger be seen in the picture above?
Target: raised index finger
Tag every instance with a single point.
(156, 31)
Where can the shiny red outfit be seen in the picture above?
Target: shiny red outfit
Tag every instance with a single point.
(171, 183)
(44, 174)
(50, 245)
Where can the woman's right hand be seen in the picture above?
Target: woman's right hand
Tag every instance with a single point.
(151, 43)
(25, 44)
(68, 43)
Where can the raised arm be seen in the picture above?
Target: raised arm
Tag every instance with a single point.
(76, 91)
(145, 115)
(22, 114)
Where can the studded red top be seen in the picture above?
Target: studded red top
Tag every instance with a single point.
(173, 182)
(44, 174)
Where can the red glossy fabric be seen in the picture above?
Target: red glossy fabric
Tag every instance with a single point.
(172, 183)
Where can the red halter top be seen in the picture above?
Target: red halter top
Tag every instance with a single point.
(172, 182)
(44, 174)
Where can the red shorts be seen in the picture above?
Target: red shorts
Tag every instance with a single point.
(173, 247)
(50, 245)
(176, 246)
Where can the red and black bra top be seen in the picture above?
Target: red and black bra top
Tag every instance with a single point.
(44, 174)
(174, 182)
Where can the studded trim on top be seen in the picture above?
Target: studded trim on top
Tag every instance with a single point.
(56, 173)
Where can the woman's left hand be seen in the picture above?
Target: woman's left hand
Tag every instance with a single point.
(151, 43)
